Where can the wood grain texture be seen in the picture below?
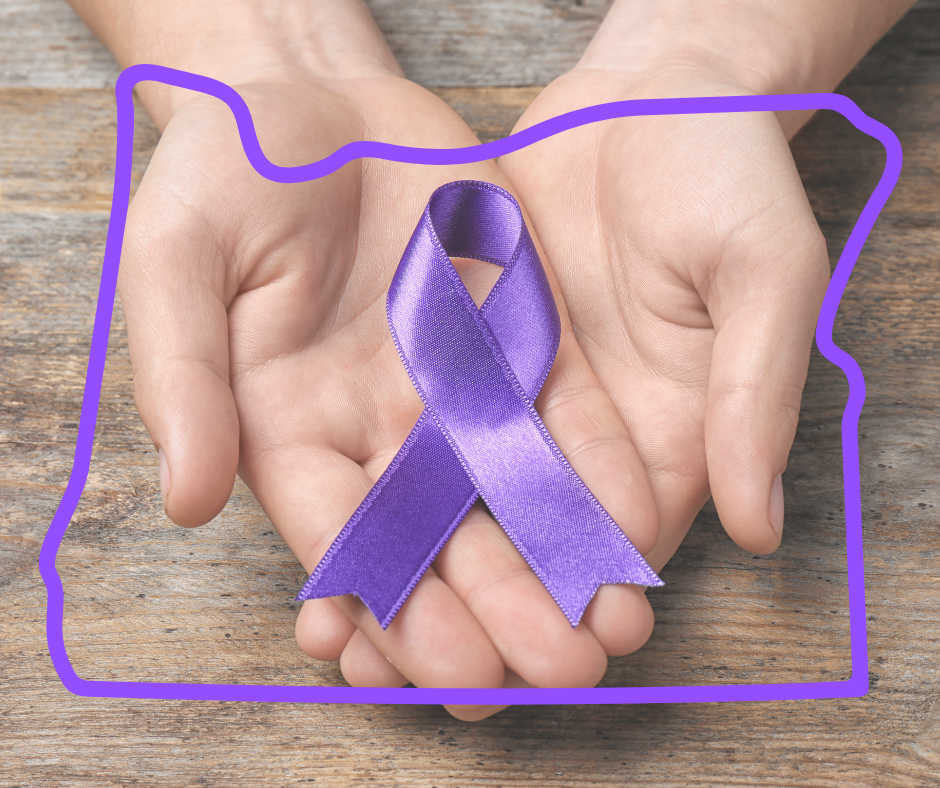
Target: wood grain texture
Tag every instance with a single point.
(459, 43)
(148, 601)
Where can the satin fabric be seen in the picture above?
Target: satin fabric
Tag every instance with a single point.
(478, 372)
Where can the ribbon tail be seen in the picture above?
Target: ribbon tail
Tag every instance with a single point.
(574, 571)
(398, 530)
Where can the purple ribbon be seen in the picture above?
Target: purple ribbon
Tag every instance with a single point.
(478, 372)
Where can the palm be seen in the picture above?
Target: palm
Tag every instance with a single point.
(257, 326)
(692, 268)
(300, 276)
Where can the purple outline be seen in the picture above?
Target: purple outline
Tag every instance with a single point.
(856, 686)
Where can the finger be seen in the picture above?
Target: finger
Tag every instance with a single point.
(172, 288)
(764, 306)
(434, 641)
(322, 629)
(621, 618)
(477, 712)
(363, 665)
(529, 630)
(680, 498)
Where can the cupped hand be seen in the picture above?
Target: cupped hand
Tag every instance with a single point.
(258, 337)
(693, 271)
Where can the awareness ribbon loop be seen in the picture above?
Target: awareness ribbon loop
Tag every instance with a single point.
(478, 372)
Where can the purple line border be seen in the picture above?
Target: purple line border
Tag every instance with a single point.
(856, 686)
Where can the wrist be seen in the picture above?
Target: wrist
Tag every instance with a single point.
(763, 46)
(671, 48)
(682, 38)
(239, 41)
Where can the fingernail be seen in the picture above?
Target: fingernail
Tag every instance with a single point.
(776, 506)
(164, 478)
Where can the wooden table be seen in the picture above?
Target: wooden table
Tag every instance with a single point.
(146, 600)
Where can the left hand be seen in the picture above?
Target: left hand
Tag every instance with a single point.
(693, 270)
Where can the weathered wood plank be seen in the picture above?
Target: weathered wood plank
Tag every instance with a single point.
(724, 615)
(457, 44)
(475, 42)
(73, 169)
(44, 44)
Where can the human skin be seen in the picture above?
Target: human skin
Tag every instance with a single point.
(259, 342)
(688, 254)
(685, 251)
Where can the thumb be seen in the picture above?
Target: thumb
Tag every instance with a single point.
(764, 324)
(172, 288)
